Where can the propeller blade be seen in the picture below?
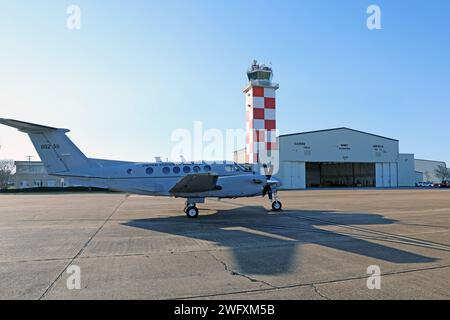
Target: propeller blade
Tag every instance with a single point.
(267, 190)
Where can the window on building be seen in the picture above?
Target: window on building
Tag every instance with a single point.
(38, 183)
(51, 183)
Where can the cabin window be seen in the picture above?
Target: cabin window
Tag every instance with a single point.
(197, 169)
(207, 168)
(176, 170)
(187, 169)
(149, 171)
(228, 168)
(166, 170)
(130, 171)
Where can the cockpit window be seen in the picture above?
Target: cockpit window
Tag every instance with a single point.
(241, 168)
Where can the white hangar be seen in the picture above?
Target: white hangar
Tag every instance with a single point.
(343, 157)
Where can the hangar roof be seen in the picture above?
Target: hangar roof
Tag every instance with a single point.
(335, 129)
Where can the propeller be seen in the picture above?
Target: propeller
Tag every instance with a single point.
(268, 190)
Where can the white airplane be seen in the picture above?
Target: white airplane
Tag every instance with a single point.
(193, 181)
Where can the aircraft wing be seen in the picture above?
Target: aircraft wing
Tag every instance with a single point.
(194, 183)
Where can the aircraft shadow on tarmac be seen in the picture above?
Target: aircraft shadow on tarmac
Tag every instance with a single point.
(265, 243)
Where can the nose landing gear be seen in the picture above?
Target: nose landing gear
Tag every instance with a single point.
(273, 198)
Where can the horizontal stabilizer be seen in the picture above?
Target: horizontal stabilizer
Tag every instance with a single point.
(28, 127)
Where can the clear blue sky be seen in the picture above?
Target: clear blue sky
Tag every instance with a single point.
(138, 70)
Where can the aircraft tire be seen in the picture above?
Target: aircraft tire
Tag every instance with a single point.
(192, 212)
(277, 206)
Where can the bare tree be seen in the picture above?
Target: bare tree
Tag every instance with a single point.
(442, 173)
(6, 170)
(428, 176)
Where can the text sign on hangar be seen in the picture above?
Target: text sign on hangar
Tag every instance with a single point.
(378, 147)
(379, 150)
(301, 145)
(344, 147)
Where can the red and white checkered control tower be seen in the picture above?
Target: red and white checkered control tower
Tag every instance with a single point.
(261, 113)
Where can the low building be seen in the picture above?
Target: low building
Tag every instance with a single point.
(32, 174)
(425, 170)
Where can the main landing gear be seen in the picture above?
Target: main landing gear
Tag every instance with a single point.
(190, 207)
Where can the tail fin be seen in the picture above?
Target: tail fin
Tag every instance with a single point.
(58, 153)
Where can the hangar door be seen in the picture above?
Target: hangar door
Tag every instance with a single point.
(340, 175)
(294, 175)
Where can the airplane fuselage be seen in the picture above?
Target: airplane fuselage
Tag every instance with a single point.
(158, 178)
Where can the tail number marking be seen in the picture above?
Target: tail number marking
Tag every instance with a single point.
(49, 146)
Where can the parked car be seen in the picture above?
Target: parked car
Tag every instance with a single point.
(445, 184)
(424, 184)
